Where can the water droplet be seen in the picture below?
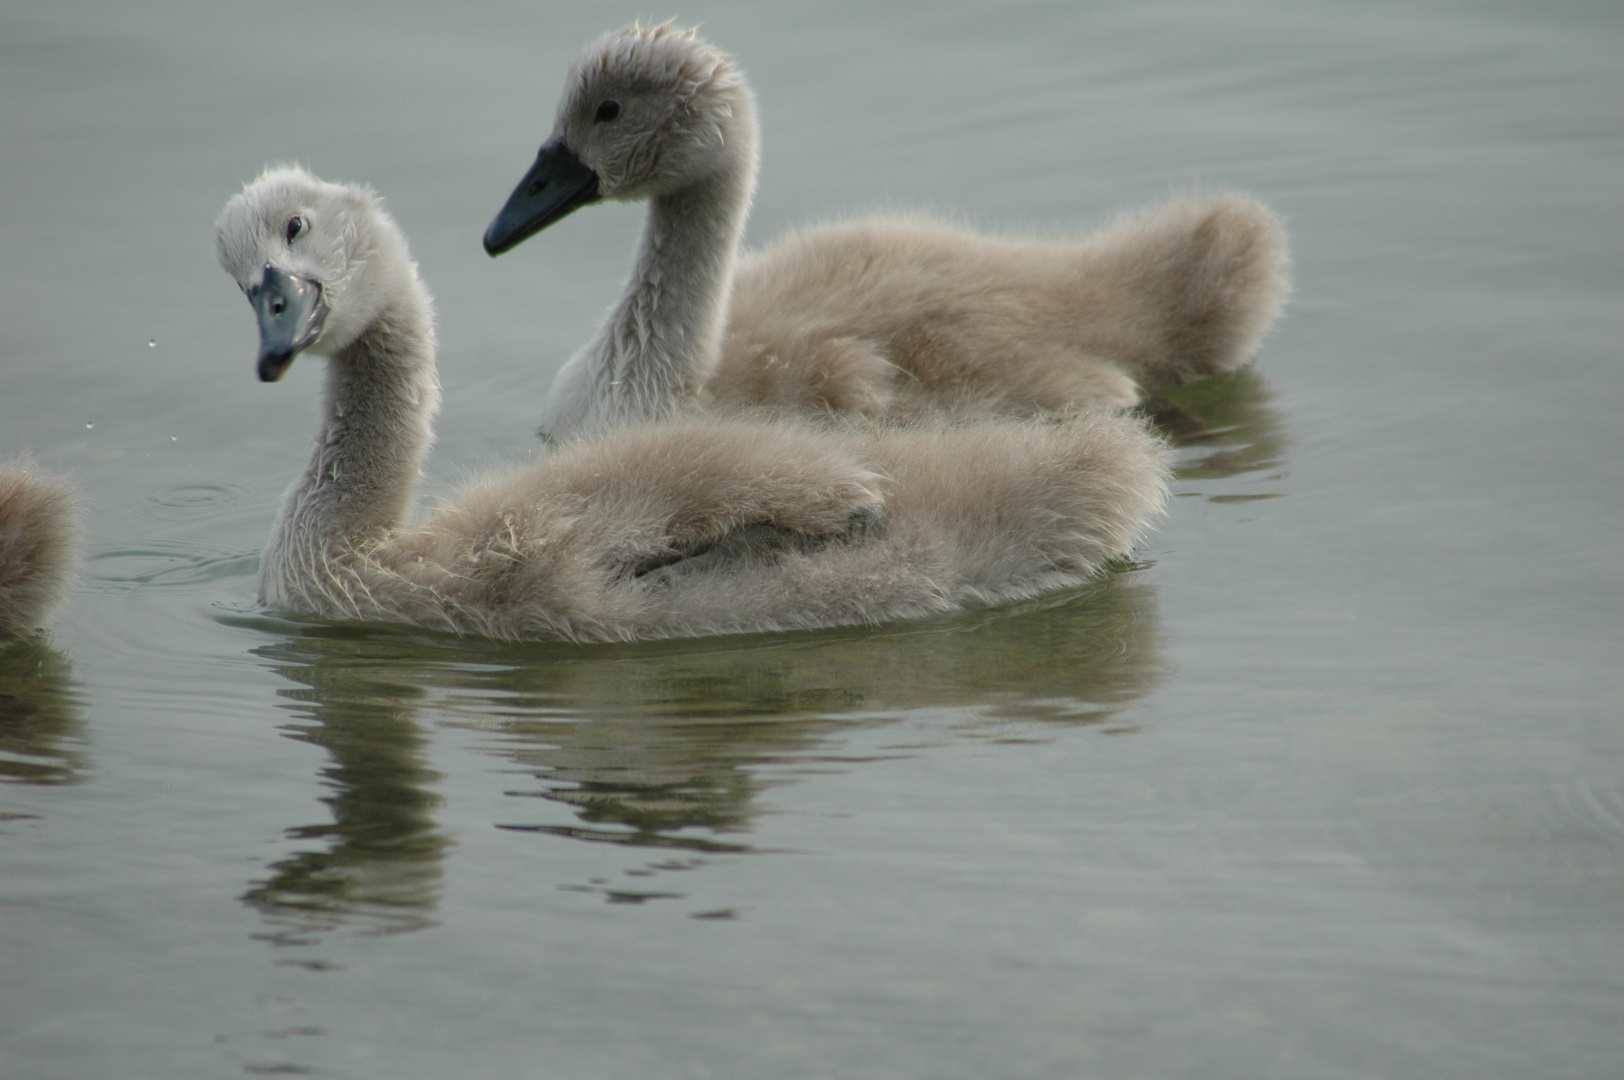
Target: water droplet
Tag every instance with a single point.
(172, 438)
(152, 343)
(89, 426)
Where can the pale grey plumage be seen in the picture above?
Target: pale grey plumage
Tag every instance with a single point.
(39, 530)
(883, 317)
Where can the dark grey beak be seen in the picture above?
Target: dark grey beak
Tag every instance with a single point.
(555, 185)
(291, 314)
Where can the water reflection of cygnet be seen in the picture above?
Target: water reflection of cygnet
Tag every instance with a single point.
(660, 745)
(666, 747)
(1222, 427)
(41, 720)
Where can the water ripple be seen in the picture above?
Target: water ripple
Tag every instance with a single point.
(167, 564)
(191, 502)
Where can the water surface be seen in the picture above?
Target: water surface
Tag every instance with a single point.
(1328, 784)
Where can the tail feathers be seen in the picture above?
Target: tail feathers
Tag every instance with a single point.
(39, 531)
(1218, 269)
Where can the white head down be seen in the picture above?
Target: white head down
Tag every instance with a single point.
(320, 262)
(646, 111)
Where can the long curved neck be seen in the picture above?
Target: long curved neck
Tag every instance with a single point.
(664, 338)
(377, 425)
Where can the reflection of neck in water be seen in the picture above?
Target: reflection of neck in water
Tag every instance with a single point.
(663, 745)
(381, 865)
(40, 716)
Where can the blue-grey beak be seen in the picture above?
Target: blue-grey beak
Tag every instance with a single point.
(555, 185)
(291, 314)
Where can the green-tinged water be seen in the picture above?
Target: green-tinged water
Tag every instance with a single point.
(1329, 782)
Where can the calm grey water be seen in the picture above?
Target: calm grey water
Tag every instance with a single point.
(1330, 786)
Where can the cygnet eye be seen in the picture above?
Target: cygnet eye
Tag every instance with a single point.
(296, 226)
(607, 110)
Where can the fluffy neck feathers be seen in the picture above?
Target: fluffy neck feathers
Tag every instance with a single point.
(663, 339)
(381, 395)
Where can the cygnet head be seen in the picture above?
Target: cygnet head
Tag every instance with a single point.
(646, 110)
(317, 261)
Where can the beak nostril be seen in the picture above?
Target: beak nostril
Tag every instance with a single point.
(278, 306)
